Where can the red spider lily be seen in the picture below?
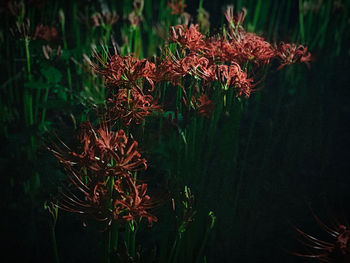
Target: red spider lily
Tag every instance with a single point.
(88, 197)
(102, 152)
(177, 7)
(204, 105)
(91, 197)
(124, 202)
(251, 47)
(189, 38)
(233, 76)
(100, 174)
(133, 202)
(126, 71)
(192, 64)
(45, 32)
(243, 48)
(130, 106)
(291, 53)
(170, 69)
(337, 250)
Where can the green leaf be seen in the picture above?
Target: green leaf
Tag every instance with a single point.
(52, 74)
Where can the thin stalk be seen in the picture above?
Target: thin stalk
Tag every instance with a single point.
(206, 236)
(114, 237)
(286, 15)
(256, 15)
(107, 248)
(301, 21)
(133, 241)
(137, 42)
(76, 25)
(46, 95)
(28, 97)
(127, 237)
(54, 244)
(173, 248)
(65, 46)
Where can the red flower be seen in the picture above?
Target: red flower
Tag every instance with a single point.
(189, 38)
(128, 71)
(233, 76)
(130, 106)
(102, 152)
(193, 64)
(251, 47)
(337, 250)
(88, 197)
(100, 176)
(291, 53)
(177, 7)
(132, 203)
(45, 32)
(204, 105)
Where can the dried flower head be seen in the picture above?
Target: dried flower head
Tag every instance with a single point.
(104, 19)
(49, 52)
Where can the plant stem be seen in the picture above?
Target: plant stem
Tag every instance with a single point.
(301, 21)
(46, 95)
(65, 46)
(28, 97)
(206, 235)
(54, 244)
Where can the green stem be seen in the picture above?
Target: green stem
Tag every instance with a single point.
(173, 248)
(133, 242)
(301, 21)
(26, 41)
(28, 97)
(206, 236)
(256, 15)
(114, 237)
(107, 249)
(46, 95)
(54, 244)
(65, 46)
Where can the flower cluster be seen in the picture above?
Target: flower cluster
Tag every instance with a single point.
(232, 59)
(127, 71)
(102, 170)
